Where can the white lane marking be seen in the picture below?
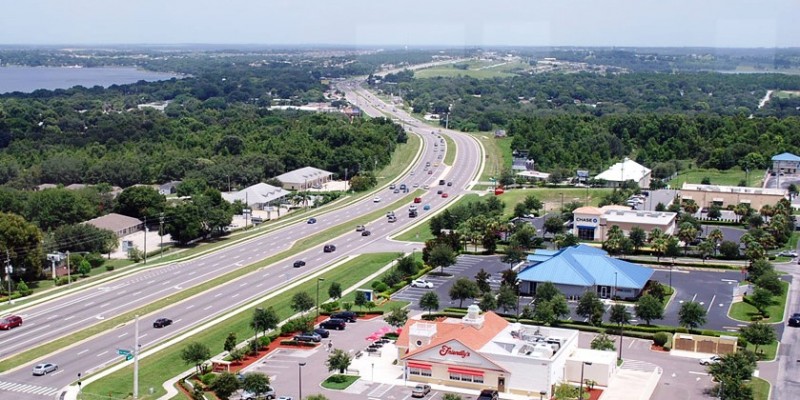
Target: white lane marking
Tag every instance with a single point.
(102, 353)
(207, 308)
(83, 351)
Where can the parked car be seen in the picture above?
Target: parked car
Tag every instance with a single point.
(329, 248)
(334, 324)
(710, 360)
(323, 333)
(360, 228)
(788, 254)
(488, 394)
(44, 369)
(420, 390)
(11, 321)
(299, 263)
(312, 221)
(794, 320)
(348, 316)
(308, 337)
(269, 395)
(366, 233)
(162, 322)
(422, 283)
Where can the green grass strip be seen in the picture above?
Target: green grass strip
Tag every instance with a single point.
(450, 157)
(332, 385)
(760, 388)
(742, 311)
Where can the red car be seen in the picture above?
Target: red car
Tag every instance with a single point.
(417, 199)
(445, 195)
(11, 321)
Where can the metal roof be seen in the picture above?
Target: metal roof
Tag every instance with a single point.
(260, 193)
(624, 171)
(785, 157)
(302, 175)
(583, 265)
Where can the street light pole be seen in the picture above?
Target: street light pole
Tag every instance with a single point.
(580, 388)
(161, 232)
(69, 274)
(136, 359)
(300, 376)
(614, 296)
(318, 281)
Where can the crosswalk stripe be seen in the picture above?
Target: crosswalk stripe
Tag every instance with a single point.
(25, 388)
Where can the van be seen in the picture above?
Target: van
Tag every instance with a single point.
(441, 181)
(348, 316)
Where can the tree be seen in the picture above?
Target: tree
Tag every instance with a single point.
(512, 256)
(230, 342)
(84, 238)
(619, 315)
(256, 383)
(714, 212)
(716, 237)
(706, 248)
(590, 306)
(407, 266)
(614, 238)
(508, 277)
(84, 268)
(638, 237)
(487, 302)
(602, 342)
(397, 317)
(758, 334)
(442, 256)
(507, 298)
(264, 320)
(549, 311)
(546, 291)
(302, 302)
(429, 301)
(554, 225)
(335, 290)
(482, 280)
(23, 241)
(649, 308)
(225, 385)
(140, 202)
(692, 315)
(195, 353)
(770, 281)
(360, 299)
(729, 249)
(462, 289)
(731, 371)
(339, 360)
(316, 397)
(761, 299)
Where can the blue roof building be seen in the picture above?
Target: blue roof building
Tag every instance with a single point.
(785, 163)
(577, 269)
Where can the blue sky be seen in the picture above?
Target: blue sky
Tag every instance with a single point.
(713, 23)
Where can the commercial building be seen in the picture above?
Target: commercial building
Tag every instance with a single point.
(259, 196)
(576, 269)
(592, 223)
(304, 178)
(627, 170)
(723, 196)
(484, 351)
(785, 163)
(120, 224)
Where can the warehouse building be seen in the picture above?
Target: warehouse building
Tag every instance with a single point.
(627, 170)
(259, 196)
(593, 223)
(304, 178)
(724, 196)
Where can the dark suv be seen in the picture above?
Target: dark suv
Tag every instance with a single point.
(794, 320)
(334, 323)
(348, 316)
(488, 394)
(162, 322)
(329, 248)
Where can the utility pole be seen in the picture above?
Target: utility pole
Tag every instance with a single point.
(345, 179)
(161, 232)
(9, 271)
(145, 240)
(69, 272)
(136, 359)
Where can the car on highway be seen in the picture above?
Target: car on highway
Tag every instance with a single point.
(440, 156)
(449, 183)
(420, 390)
(392, 218)
(441, 181)
(329, 248)
(348, 316)
(412, 207)
(376, 200)
(421, 283)
(445, 195)
(307, 337)
(417, 199)
(322, 332)
(392, 186)
(403, 186)
(436, 164)
(440, 191)
(299, 263)
(426, 207)
(162, 322)
(794, 320)
(366, 233)
(334, 324)
(396, 191)
(311, 221)
(44, 369)
(360, 228)
(11, 321)
(430, 172)
(710, 360)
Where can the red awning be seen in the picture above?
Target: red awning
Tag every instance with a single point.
(418, 365)
(465, 371)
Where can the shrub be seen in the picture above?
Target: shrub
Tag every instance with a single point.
(95, 260)
(208, 378)
(62, 281)
(23, 289)
(296, 343)
(660, 339)
(381, 287)
(337, 378)
(264, 341)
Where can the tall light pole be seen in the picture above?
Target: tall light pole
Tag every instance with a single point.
(9, 271)
(145, 240)
(614, 296)
(161, 232)
(136, 359)
(318, 281)
(580, 388)
(300, 376)
(69, 272)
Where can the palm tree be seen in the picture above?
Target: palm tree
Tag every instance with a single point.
(655, 234)
(660, 246)
(614, 239)
(716, 237)
(767, 210)
(687, 232)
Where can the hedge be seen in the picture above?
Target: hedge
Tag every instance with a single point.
(297, 343)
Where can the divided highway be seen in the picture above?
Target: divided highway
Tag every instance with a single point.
(74, 312)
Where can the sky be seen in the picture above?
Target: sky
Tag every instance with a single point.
(657, 23)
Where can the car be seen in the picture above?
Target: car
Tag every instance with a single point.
(788, 254)
(360, 228)
(436, 164)
(299, 263)
(441, 182)
(420, 390)
(376, 200)
(44, 369)
(412, 207)
(269, 395)
(348, 316)
(412, 173)
(417, 200)
(390, 214)
(396, 191)
(445, 195)
(11, 321)
(403, 186)
(421, 283)
(426, 207)
(285, 398)
(440, 191)
(794, 320)
(488, 394)
(329, 248)
(334, 324)
(426, 187)
(162, 322)
(307, 337)
(392, 186)
(392, 219)
(323, 333)
(311, 221)
(440, 156)
(710, 360)
(449, 183)
(428, 164)
(366, 233)
(416, 185)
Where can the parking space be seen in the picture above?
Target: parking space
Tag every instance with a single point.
(712, 289)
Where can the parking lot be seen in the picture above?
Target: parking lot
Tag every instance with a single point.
(712, 289)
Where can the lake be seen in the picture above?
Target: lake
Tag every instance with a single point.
(28, 79)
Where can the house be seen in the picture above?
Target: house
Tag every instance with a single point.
(627, 170)
(258, 196)
(169, 188)
(785, 163)
(576, 269)
(484, 351)
(304, 178)
(121, 225)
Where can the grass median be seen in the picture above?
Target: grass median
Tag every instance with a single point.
(301, 245)
(154, 370)
(450, 157)
(745, 312)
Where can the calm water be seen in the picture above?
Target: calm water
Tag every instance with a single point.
(28, 79)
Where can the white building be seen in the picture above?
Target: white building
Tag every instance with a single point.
(627, 170)
(484, 351)
(592, 223)
(304, 178)
(259, 196)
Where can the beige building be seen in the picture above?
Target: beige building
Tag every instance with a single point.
(120, 224)
(304, 178)
(593, 223)
(724, 196)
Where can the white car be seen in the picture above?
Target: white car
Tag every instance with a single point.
(421, 283)
(710, 360)
(44, 369)
(376, 200)
(788, 254)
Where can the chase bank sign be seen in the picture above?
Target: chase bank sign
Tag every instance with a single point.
(586, 220)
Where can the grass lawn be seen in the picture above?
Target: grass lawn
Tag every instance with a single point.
(498, 155)
(729, 177)
(768, 352)
(552, 197)
(154, 370)
(760, 388)
(450, 155)
(402, 156)
(476, 69)
(331, 382)
(785, 94)
(744, 312)
(422, 232)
